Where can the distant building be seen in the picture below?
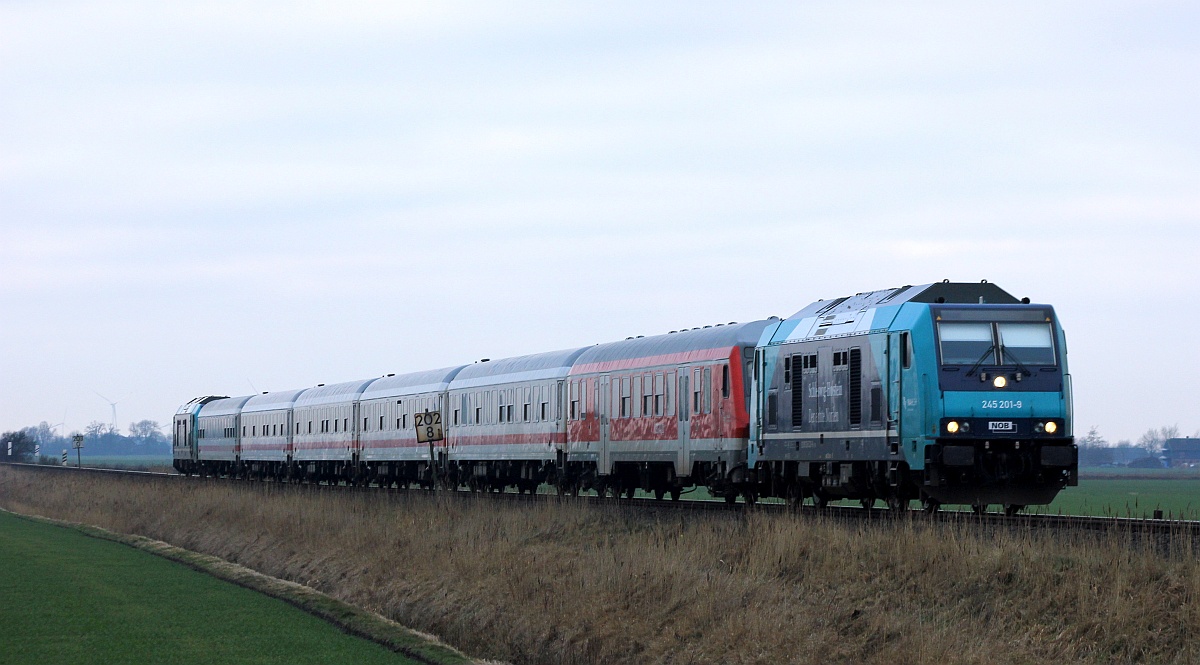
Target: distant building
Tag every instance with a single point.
(1182, 452)
(1125, 455)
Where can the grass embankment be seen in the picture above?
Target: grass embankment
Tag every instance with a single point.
(573, 584)
(71, 598)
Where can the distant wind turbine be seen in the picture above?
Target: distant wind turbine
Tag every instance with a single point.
(114, 407)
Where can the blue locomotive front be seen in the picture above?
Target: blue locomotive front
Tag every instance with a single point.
(947, 393)
(1003, 433)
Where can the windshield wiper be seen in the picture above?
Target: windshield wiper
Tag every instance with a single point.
(1006, 355)
(979, 362)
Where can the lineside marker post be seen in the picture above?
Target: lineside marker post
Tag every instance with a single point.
(429, 430)
(78, 439)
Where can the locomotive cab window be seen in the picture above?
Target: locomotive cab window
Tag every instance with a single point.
(990, 343)
(964, 343)
(1026, 343)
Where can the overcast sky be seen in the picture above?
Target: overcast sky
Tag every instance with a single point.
(223, 198)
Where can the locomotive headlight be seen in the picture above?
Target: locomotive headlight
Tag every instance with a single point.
(1051, 427)
(952, 427)
(1000, 382)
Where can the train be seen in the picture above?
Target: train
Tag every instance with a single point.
(941, 393)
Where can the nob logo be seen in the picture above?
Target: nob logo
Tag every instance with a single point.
(1002, 426)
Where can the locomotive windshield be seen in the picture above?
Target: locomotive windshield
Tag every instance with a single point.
(996, 342)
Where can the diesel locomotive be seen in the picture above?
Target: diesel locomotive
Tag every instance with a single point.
(945, 393)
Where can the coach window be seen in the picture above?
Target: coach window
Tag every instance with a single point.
(725, 381)
(310, 427)
(658, 394)
(707, 389)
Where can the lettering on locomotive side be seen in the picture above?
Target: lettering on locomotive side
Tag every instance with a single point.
(1001, 404)
(826, 417)
(829, 390)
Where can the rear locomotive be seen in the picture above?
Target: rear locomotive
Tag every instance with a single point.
(948, 393)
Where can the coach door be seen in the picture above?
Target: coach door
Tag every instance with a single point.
(603, 401)
(683, 400)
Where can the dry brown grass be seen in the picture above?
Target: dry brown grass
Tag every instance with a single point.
(573, 584)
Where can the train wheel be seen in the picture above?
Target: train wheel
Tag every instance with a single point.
(675, 495)
(897, 504)
(629, 491)
(731, 498)
(867, 502)
(659, 494)
(1013, 508)
(930, 506)
(979, 509)
(820, 501)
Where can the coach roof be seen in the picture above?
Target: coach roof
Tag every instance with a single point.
(337, 393)
(413, 383)
(223, 407)
(283, 399)
(551, 365)
(683, 346)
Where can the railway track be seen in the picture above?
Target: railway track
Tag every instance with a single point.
(1159, 532)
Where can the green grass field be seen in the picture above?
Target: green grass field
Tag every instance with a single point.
(1178, 498)
(69, 598)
